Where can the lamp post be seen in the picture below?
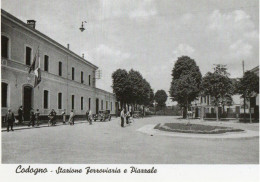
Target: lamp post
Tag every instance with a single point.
(82, 26)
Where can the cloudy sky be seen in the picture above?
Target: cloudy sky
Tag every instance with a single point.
(149, 35)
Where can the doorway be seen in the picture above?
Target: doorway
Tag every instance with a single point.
(27, 101)
(97, 106)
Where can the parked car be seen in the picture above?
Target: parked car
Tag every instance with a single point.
(137, 114)
(102, 116)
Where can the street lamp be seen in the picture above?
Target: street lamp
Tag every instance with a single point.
(82, 26)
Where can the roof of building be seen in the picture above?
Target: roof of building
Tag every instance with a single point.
(33, 30)
(255, 69)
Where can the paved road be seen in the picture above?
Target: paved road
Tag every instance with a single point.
(107, 143)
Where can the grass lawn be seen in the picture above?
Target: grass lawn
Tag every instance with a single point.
(195, 128)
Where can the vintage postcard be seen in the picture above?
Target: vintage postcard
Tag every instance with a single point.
(130, 89)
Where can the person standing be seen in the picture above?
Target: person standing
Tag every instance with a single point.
(37, 117)
(122, 115)
(87, 114)
(9, 118)
(127, 117)
(20, 114)
(71, 119)
(32, 118)
(90, 117)
(52, 117)
(63, 114)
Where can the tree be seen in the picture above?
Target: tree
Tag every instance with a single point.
(131, 88)
(227, 98)
(186, 80)
(218, 86)
(147, 95)
(121, 86)
(160, 97)
(248, 86)
(136, 87)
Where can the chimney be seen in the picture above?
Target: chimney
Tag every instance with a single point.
(68, 46)
(83, 55)
(31, 23)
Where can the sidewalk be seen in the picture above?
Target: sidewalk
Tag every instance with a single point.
(41, 126)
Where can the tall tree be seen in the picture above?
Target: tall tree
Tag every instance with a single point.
(218, 87)
(248, 87)
(121, 86)
(136, 86)
(186, 80)
(227, 98)
(160, 97)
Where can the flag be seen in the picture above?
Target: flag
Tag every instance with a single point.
(35, 67)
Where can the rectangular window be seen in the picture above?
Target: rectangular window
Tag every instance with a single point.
(72, 102)
(45, 99)
(208, 100)
(89, 79)
(28, 56)
(106, 104)
(4, 94)
(4, 44)
(82, 78)
(101, 104)
(46, 63)
(59, 100)
(81, 101)
(89, 103)
(72, 73)
(60, 68)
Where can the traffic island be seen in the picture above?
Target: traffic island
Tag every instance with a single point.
(195, 128)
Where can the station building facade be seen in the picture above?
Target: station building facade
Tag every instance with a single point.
(67, 79)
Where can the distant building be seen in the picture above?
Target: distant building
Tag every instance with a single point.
(67, 80)
(202, 107)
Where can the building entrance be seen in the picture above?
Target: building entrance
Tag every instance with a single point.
(27, 101)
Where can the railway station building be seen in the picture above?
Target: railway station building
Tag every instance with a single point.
(67, 79)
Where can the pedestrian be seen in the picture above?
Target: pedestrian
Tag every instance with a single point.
(37, 117)
(32, 118)
(87, 115)
(90, 117)
(52, 118)
(127, 117)
(71, 119)
(20, 114)
(63, 114)
(122, 115)
(9, 118)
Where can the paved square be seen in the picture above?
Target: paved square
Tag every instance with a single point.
(108, 143)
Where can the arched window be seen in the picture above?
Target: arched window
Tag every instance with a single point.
(4, 94)
(5, 44)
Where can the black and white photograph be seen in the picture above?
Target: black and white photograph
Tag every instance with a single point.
(114, 88)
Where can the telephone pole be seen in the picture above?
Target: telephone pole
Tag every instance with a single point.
(243, 65)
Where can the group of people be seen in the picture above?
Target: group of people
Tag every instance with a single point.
(35, 117)
(125, 115)
(52, 117)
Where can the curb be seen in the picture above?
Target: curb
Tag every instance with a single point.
(40, 126)
(247, 134)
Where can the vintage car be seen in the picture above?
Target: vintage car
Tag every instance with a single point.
(137, 114)
(102, 116)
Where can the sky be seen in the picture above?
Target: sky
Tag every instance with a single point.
(150, 35)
